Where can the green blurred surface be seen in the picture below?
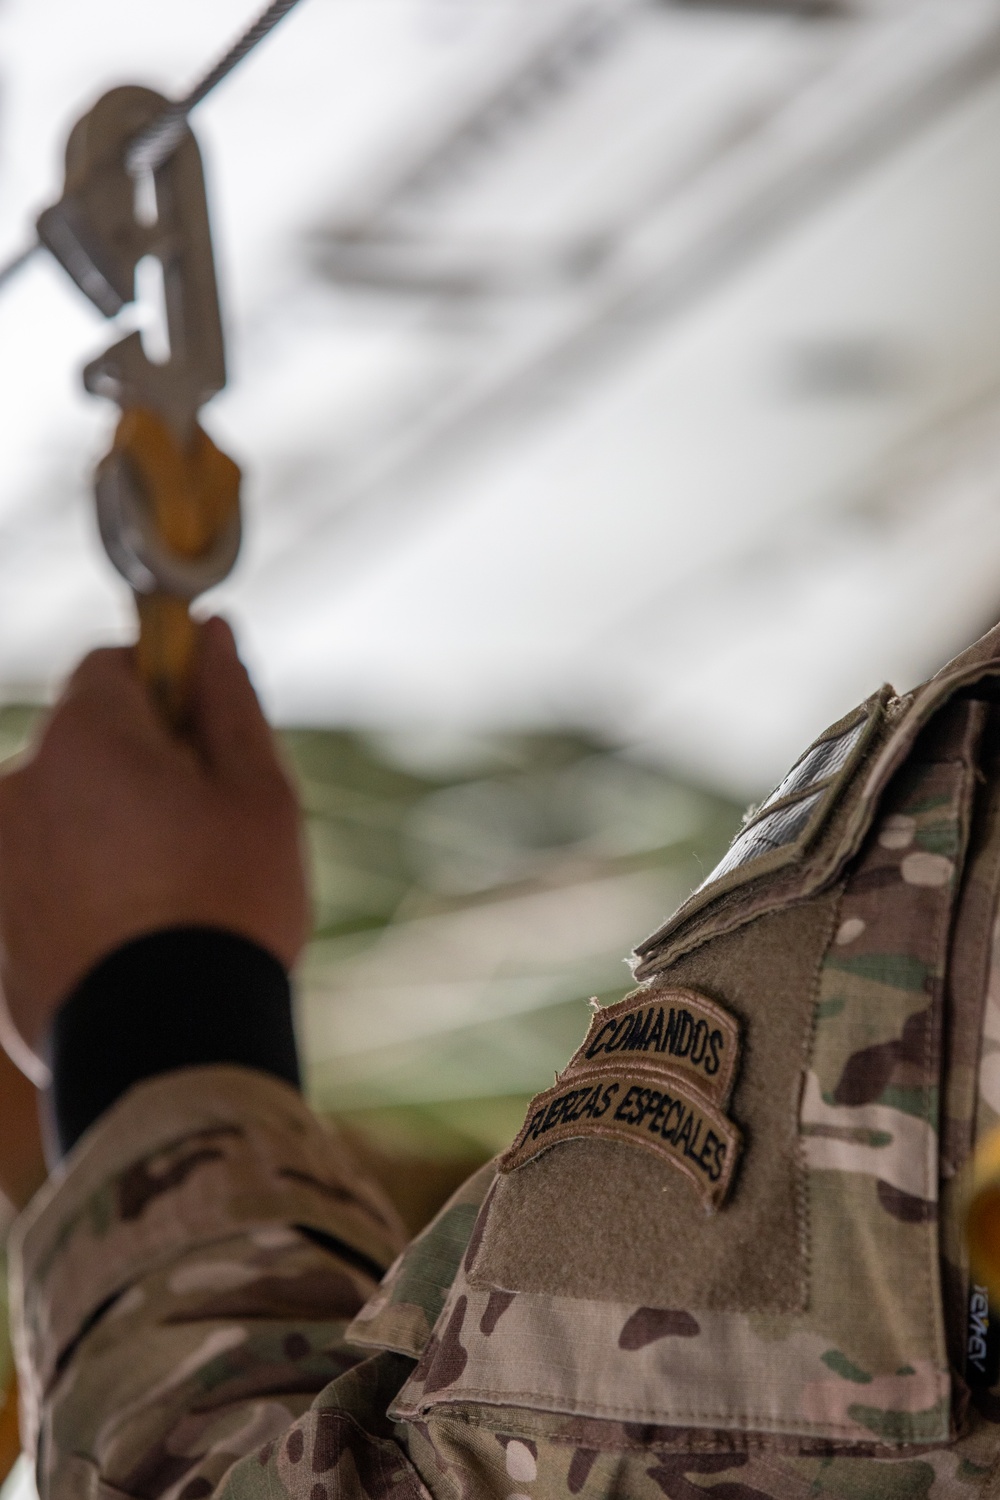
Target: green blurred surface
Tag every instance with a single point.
(470, 899)
(468, 908)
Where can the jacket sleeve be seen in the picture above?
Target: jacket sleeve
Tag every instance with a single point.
(180, 1293)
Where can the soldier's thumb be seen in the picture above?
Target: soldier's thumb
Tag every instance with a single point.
(230, 728)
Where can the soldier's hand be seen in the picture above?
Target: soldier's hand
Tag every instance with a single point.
(113, 827)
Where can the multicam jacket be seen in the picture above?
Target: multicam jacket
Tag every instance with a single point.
(722, 1256)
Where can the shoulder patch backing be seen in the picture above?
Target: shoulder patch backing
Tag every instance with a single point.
(655, 1072)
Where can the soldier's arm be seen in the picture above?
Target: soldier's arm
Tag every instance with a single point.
(185, 1284)
(182, 1285)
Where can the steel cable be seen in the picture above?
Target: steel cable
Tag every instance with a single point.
(14, 265)
(154, 144)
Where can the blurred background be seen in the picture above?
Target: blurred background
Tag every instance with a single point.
(617, 384)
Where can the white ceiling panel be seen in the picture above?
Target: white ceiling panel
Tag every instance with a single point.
(625, 363)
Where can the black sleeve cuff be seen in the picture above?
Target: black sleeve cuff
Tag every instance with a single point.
(175, 999)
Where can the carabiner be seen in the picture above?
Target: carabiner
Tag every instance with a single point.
(163, 479)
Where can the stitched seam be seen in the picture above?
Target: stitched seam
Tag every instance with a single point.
(523, 1421)
(761, 1422)
(935, 1035)
(381, 1346)
(980, 935)
(803, 1199)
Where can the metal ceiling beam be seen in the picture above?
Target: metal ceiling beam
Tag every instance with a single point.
(637, 307)
(369, 247)
(536, 79)
(809, 9)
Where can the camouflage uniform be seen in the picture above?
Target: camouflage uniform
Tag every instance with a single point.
(723, 1254)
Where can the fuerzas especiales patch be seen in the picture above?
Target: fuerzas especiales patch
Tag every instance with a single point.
(655, 1072)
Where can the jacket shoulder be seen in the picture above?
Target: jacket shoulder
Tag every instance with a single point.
(800, 838)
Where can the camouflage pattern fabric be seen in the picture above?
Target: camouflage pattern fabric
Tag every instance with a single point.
(181, 1294)
(866, 1362)
(200, 1307)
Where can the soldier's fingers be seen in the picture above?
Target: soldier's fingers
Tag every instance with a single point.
(232, 732)
(108, 682)
(105, 693)
(101, 668)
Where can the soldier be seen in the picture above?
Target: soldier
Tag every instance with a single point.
(722, 1255)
